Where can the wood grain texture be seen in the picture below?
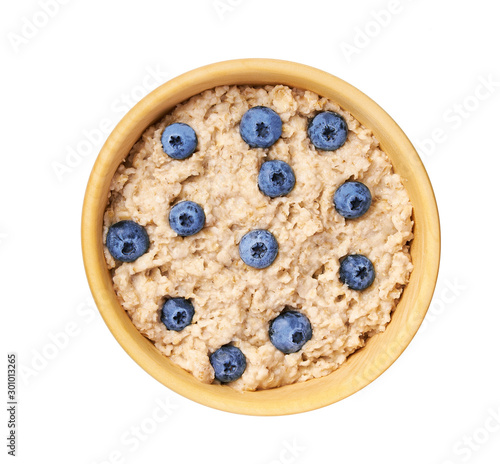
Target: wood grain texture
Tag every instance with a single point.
(362, 367)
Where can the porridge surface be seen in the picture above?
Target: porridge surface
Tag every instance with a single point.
(233, 302)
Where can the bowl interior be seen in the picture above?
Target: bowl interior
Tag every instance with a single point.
(360, 368)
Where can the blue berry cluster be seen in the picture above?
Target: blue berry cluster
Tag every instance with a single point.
(260, 127)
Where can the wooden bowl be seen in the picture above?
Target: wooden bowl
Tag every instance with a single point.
(380, 351)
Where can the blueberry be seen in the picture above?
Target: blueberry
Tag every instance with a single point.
(290, 331)
(186, 218)
(177, 313)
(258, 248)
(357, 272)
(352, 199)
(260, 127)
(127, 241)
(179, 141)
(276, 178)
(328, 131)
(229, 363)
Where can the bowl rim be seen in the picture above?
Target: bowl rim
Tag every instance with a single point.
(258, 71)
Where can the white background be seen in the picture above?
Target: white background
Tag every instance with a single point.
(80, 69)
